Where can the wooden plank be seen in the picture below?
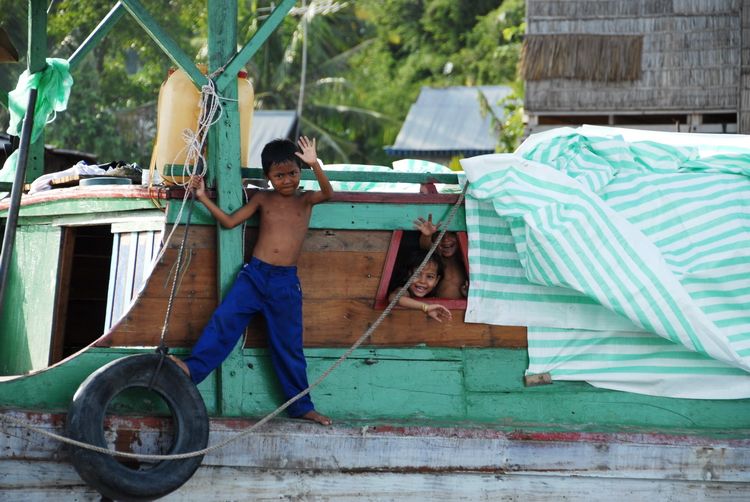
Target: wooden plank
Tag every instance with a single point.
(36, 59)
(592, 469)
(142, 324)
(63, 291)
(355, 392)
(340, 323)
(26, 328)
(198, 277)
(433, 462)
(435, 391)
(336, 275)
(394, 215)
(346, 240)
(368, 176)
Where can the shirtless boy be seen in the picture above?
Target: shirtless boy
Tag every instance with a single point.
(454, 283)
(269, 283)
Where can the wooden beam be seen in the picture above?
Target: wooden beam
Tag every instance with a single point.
(104, 27)
(163, 40)
(224, 164)
(256, 42)
(338, 175)
(37, 60)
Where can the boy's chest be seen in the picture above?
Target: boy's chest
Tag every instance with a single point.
(288, 213)
(453, 271)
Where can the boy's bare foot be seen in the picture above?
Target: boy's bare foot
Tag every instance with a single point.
(314, 416)
(179, 362)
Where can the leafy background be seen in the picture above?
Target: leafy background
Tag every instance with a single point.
(366, 61)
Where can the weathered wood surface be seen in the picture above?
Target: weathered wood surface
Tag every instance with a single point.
(32, 481)
(363, 461)
(192, 306)
(339, 271)
(691, 55)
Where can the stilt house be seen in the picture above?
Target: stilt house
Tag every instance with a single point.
(676, 65)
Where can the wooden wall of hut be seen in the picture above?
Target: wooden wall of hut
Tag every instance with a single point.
(744, 115)
(695, 58)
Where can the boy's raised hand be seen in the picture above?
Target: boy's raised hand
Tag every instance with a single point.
(426, 226)
(309, 154)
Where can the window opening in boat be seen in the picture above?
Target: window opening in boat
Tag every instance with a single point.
(403, 244)
(85, 259)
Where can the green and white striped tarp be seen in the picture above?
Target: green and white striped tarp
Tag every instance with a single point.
(626, 253)
(403, 166)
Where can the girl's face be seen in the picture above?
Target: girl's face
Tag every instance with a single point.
(425, 281)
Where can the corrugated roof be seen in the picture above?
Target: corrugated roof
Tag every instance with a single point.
(449, 121)
(269, 125)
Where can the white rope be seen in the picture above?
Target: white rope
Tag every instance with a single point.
(195, 141)
(270, 416)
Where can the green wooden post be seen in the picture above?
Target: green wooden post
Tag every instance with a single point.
(36, 61)
(224, 167)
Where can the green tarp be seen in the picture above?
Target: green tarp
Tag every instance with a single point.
(627, 253)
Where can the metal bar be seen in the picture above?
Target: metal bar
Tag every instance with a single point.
(164, 41)
(15, 196)
(255, 43)
(104, 27)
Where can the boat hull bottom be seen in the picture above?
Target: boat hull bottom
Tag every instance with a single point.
(299, 461)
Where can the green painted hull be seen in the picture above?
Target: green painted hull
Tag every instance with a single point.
(474, 386)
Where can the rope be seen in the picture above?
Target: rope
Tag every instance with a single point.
(195, 162)
(277, 411)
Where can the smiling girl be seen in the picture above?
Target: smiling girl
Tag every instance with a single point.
(423, 287)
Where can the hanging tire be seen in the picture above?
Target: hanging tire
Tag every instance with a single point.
(85, 422)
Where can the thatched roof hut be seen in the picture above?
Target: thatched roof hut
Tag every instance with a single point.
(662, 64)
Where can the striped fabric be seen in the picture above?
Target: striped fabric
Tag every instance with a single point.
(599, 243)
(404, 166)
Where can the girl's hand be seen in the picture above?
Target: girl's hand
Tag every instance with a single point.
(426, 226)
(438, 312)
(309, 154)
(197, 185)
(465, 289)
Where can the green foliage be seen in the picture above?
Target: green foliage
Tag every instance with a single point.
(366, 62)
(119, 75)
(329, 110)
(508, 126)
(435, 43)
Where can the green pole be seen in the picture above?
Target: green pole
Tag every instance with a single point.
(37, 61)
(224, 167)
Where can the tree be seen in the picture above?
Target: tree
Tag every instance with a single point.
(435, 43)
(365, 63)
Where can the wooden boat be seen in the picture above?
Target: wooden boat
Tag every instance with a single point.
(421, 410)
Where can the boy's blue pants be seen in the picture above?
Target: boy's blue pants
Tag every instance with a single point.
(275, 292)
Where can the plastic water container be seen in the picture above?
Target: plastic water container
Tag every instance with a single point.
(179, 109)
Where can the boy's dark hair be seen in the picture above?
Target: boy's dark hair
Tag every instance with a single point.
(415, 259)
(278, 151)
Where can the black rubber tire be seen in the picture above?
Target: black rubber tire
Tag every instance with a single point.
(85, 422)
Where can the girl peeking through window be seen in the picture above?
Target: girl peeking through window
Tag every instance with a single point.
(424, 286)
